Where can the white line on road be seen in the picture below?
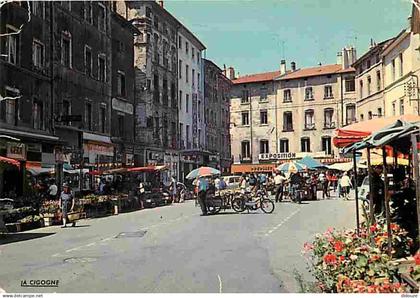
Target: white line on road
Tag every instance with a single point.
(220, 283)
(91, 244)
(282, 222)
(2, 290)
(74, 249)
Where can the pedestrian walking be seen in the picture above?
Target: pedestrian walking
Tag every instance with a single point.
(345, 184)
(203, 186)
(279, 180)
(52, 190)
(66, 198)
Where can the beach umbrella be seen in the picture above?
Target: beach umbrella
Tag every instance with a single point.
(202, 171)
(291, 167)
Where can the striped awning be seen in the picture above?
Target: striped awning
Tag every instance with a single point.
(10, 161)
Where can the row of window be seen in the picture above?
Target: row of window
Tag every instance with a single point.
(309, 92)
(10, 112)
(194, 52)
(370, 114)
(288, 119)
(369, 85)
(305, 146)
(194, 78)
(87, 12)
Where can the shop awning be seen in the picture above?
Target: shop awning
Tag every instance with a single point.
(252, 168)
(148, 169)
(10, 161)
(356, 132)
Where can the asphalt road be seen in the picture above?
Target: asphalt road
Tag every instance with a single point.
(172, 250)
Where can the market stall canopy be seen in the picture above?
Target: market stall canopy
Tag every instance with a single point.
(10, 161)
(202, 171)
(345, 166)
(389, 160)
(291, 167)
(95, 173)
(356, 132)
(148, 169)
(311, 163)
(115, 171)
(39, 171)
(395, 135)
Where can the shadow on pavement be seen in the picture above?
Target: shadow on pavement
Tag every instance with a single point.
(78, 226)
(17, 237)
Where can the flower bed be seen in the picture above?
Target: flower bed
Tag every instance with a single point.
(342, 261)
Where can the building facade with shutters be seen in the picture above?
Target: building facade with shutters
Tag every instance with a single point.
(155, 56)
(370, 82)
(217, 89)
(291, 113)
(27, 130)
(190, 101)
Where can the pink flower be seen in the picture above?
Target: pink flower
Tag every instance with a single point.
(308, 247)
(353, 257)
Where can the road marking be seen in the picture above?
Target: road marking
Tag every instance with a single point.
(220, 283)
(56, 255)
(91, 244)
(106, 239)
(2, 290)
(74, 249)
(282, 222)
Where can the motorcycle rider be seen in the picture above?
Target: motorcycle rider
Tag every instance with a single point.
(296, 182)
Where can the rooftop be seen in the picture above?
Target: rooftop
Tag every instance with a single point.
(256, 78)
(316, 71)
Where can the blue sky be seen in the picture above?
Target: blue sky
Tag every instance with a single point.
(250, 35)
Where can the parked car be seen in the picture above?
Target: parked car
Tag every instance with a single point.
(232, 181)
(363, 190)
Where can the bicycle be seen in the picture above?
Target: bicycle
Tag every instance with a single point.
(245, 202)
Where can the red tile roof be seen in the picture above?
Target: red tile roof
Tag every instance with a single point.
(316, 71)
(258, 77)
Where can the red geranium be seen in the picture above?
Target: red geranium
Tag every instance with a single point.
(374, 228)
(339, 246)
(342, 258)
(417, 258)
(330, 259)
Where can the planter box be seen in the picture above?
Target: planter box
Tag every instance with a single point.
(48, 221)
(13, 227)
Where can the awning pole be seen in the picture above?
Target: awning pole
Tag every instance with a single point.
(356, 195)
(386, 193)
(416, 176)
(371, 215)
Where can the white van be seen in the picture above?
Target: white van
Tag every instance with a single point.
(232, 182)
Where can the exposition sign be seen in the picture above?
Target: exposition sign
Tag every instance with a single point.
(16, 151)
(277, 156)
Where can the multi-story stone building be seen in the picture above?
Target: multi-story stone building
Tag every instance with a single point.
(26, 105)
(122, 82)
(82, 80)
(155, 55)
(217, 116)
(191, 101)
(369, 82)
(290, 114)
(401, 68)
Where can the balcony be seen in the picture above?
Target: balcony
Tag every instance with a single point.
(245, 159)
(330, 125)
(350, 121)
(309, 126)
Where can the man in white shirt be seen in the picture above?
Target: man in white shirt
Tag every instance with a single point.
(279, 183)
(53, 190)
(345, 184)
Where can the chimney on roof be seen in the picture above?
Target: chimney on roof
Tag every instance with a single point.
(349, 57)
(340, 58)
(282, 67)
(409, 24)
(231, 73)
(161, 3)
(224, 70)
(293, 66)
(320, 64)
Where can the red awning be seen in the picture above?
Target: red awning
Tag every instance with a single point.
(147, 169)
(95, 173)
(358, 131)
(10, 161)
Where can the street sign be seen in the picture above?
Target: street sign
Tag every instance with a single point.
(68, 118)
